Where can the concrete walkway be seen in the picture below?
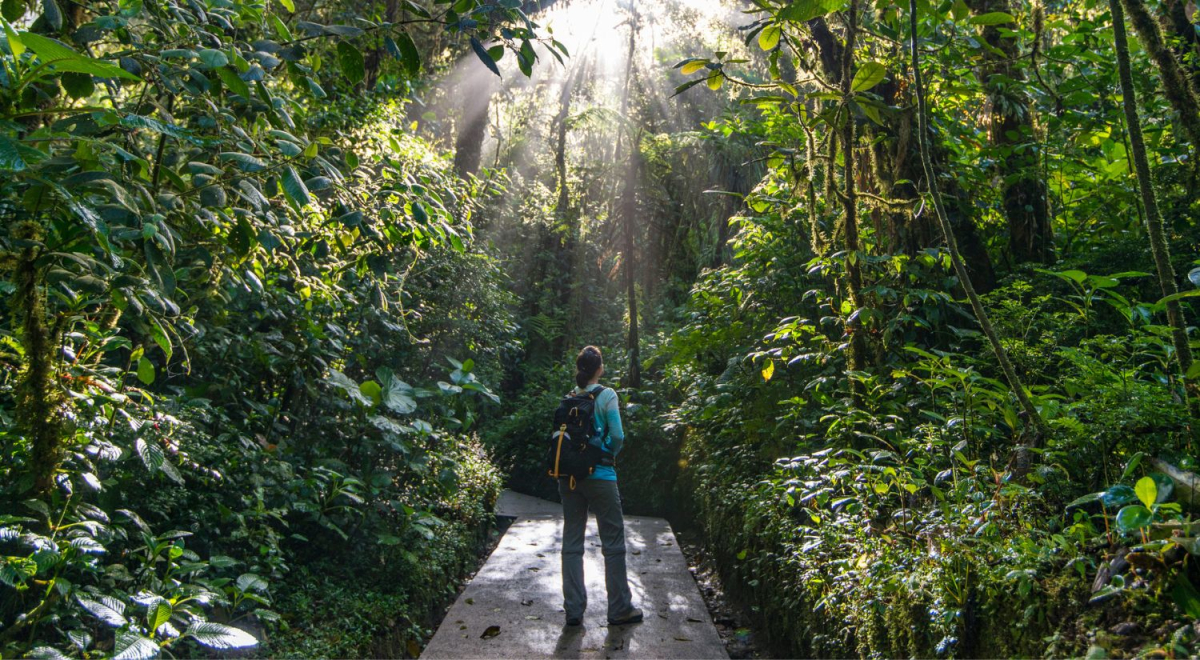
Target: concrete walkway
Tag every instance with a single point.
(513, 607)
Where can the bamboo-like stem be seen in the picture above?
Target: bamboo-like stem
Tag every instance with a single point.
(1010, 373)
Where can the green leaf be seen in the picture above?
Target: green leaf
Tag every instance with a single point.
(1186, 596)
(347, 385)
(288, 5)
(484, 56)
(959, 10)
(10, 156)
(1133, 518)
(220, 636)
(768, 39)
(78, 85)
(351, 61)
(151, 454)
(1118, 495)
(110, 612)
(801, 11)
(397, 395)
(295, 189)
(64, 59)
(409, 54)
(372, 391)
(868, 75)
(1147, 491)
(159, 613)
(692, 67)
(52, 14)
(12, 10)
(992, 18)
(251, 582)
(14, 41)
(145, 371)
(210, 58)
(132, 646)
(1086, 499)
(245, 162)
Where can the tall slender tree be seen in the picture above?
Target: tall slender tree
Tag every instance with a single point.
(1159, 247)
(1010, 372)
(628, 212)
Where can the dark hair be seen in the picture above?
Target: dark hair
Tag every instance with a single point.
(587, 363)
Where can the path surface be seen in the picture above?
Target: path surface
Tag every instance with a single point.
(513, 607)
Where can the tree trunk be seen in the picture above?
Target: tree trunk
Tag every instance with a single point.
(1030, 234)
(923, 138)
(628, 218)
(854, 255)
(468, 146)
(1176, 86)
(1154, 224)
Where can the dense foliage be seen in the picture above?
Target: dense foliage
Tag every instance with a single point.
(223, 251)
(291, 290)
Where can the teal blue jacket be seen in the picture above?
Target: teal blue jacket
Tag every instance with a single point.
(610, 435)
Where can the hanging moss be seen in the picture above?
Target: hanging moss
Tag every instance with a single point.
(38, 398)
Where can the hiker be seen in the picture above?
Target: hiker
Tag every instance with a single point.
(597, 492)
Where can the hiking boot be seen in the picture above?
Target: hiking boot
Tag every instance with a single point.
(574, 621)
(634, 616)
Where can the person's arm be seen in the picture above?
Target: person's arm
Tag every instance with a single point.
(615, 438)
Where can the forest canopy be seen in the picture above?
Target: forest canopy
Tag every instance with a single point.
(897, 297)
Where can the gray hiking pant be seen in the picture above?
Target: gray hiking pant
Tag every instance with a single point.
(603, 500)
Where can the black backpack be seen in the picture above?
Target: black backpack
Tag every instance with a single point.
(569, 454)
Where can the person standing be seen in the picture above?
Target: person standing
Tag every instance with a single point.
(599, 494)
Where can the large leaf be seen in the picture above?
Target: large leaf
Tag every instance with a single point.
(132, 646)
(220, 636)
(151, 454)
(1147, 491)
(409, 54)
(64, 59)
(1133, 518)
(868, 75)
(347, 385)
(484, 56)
(10, 155)
(397, 395)
(295, 189)
(768, 39)
(109, 612)
(350, 59)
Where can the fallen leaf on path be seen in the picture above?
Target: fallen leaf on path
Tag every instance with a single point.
(662, 615)
(491, 632)
(637, 552)
(470, 601)
(691, 620)
(682, 639)
(527, 602)
(462, 627)
(533, 568)
(541, 555)
(533, 617)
